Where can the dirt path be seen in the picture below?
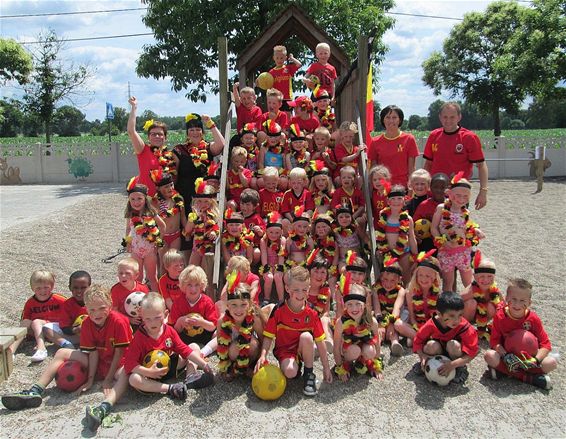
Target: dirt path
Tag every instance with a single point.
(525, 236)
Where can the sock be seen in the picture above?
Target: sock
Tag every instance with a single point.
(105, 407)
(37, 389)
(308, 371)
(66, 344)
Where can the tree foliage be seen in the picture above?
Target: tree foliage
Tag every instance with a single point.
(67, 121)
(52, 81)
(15, 62)
(486, 60)
(186, 32)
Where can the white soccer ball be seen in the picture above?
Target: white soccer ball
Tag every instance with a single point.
(431, 371)
(132, 303)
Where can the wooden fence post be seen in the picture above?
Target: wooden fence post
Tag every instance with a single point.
(223, 81)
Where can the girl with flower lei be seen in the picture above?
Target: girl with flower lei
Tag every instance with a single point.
(421, 295)
(482, 298)
(239, 331)
(378, 195)
(454, 233)
(299, 243)
(325, 241)
(395, 233)
(319, 296)
(321, 186)
(273, 254)
(349, 236)
(356, 338)
(271, 153)
(297, 156)
(143, 236)
(248, 140)
(237, 240)
(202, 222)
(321, 101)
(171, 208)
(152, 155)
(389, 303)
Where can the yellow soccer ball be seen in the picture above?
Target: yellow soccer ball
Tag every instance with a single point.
(265, 80)
(269, 383)
(422, 228)
(193, 331)
(157, 357)
(80, 319)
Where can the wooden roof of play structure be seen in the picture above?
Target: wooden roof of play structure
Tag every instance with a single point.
(294, 21)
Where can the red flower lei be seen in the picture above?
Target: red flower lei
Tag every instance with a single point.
(165, 158)
(171, 211)
(277, 247)
(300, 157)
(245, 331)
(419, 305)
(318, 302)
(386, 298)
(235, 243)
(344, 232)
(494, 296)
(301, 242)
(327, 247)
(321, 197)
(147, 227)
(202, 228)
(402, 239)
(275, 149)
(354, 333)
(198, 153)
(470, 238)
(327, 117)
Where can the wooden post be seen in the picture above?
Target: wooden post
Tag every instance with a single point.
(223, 81)
(363, 68)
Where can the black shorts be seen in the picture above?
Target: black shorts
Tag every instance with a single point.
(201, 339)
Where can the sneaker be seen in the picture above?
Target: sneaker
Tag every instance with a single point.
(67, 345)
(199, 380)
(177, 391)
(542, 381)
(417, 369)
(397, 349)
(309, 388)
(94, 417)
(21, 400)
(39, 356)
(461, 375)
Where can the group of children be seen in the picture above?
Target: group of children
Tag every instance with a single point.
(295, 222)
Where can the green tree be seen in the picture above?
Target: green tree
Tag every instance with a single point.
(481, 59)
(52, 81)
(187, 32)
(120, 118)
(67, 121)
(433, 110)
(11, 118)
(414, 122)
(15, 62)
(547, 113)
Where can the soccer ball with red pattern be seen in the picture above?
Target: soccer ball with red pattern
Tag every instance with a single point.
(70, 376)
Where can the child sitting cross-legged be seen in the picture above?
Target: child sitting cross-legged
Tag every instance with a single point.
(156, 335)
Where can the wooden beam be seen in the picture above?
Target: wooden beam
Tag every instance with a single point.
(223, 80)
(363, 68)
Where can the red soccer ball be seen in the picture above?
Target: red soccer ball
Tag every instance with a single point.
(521, 340)
(70, 376)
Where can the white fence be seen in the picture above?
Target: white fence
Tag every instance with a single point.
(507, 157)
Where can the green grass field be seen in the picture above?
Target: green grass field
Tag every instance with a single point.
(175, 137)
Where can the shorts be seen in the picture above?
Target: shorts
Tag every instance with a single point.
(287, 354)
(404, 315)
(201, 339)
(141, 247)
(459, 257)
(54, 326)
(169, 238)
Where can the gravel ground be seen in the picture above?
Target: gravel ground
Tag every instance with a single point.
(525, 235)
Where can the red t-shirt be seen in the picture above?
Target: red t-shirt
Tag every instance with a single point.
(394, 154)
(426, 209)
(308, 125)
(203, 306)
(340, 152)
(283, 79)
(281, 119)
(326, 74)
(71, 310)
(255, 220)
(120, 294)
(116, 332)
(245, 116)
(249, 281)
(504, 324)
(287, 326)
(168, 342)
(340, 196)
(235, 187)
(464, 333)
(169, 288)
(454, 152)
(290, 201)
(378, 202)
(49, 310)
(269, 201)
(147, 161)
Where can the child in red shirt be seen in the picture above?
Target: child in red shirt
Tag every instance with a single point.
(425, 211)
(249, 203)
(304, 116)
(273, 113)
(283, 73)
(104, 336)
(296, 328)
(155, 334)
(447, 333)
(270, 197)
(239, 177)
(321, 72)
(297, 196)
(528, 360)
(127, 283)
(74, 309)
(345, 152)
(39, 310)
(173, 263)
(242, 266)
(246, 109)
(348, 193)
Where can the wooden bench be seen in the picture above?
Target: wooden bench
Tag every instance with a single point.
(7, 337)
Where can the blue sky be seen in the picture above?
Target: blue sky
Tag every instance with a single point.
(410, 42)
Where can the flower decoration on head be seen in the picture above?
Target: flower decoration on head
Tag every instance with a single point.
(344, 208)
(233, 280)
(312, 256)
(319, 94)
(386, 184)
(249, 128)
(211, 173)
(390, 265)
(318, 167)
(193, 120)
(299, 214)
(272, 128)
(274, 219)
(302, 102)
(324, 218)
(345, 285)
(231, 218)
(457, 181)
(476, 264)
(134, 185)
(295, 132)
(147, 125)
(424, 260)
(351, 257)
(160, 178)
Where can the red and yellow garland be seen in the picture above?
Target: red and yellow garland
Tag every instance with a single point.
(419, 306)
(146, 227)
(203, 228)
(319, 301)
(354, 333)
(245, 331)
(165, 158)
(403, 238)
(199, 154)
(235, 243)
(301, 242)
(482, 299)
(344, 232)
(321, 197)
(170, 211)
(470, 239)
(386, 298)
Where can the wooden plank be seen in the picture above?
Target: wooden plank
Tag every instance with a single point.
(15, 331)
(223, 80)
(6, 341)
